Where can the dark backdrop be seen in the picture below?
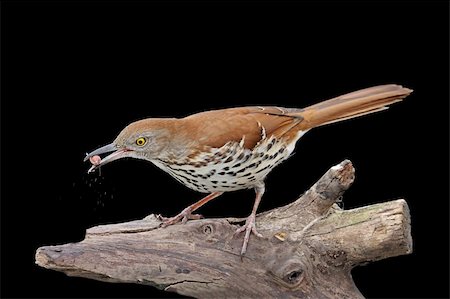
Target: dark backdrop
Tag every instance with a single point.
(75, 73)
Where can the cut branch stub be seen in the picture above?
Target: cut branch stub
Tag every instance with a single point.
(308, 249)
(313, 204)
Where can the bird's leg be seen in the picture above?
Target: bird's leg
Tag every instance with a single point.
(250, 223)
(186, 213)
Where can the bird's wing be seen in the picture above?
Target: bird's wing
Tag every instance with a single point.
(216, 128)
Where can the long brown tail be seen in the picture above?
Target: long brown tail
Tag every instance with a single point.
(352, 105)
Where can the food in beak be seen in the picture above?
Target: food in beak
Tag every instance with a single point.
(95, 161)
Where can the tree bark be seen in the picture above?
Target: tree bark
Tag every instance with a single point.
(308, 250)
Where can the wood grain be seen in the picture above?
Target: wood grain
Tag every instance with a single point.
(308, 250)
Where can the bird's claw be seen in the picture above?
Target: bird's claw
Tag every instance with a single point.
(184, 216)
(248, 227)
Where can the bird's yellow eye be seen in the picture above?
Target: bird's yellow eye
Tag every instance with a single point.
(141, 141)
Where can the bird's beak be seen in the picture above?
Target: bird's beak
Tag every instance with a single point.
(117, 154)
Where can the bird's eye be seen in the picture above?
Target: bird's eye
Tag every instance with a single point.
(141, 141)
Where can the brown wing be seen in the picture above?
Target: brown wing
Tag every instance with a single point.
(215, 128)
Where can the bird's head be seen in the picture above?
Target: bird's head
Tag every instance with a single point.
(145, 139)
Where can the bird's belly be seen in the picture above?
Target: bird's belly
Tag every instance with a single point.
(229, 169)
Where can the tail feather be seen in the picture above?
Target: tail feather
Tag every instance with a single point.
(352, 105)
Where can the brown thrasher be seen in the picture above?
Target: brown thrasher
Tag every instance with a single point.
(232, 149)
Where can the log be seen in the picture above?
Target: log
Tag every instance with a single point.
(308, 250)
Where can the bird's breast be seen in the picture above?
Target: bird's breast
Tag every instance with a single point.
(230, 167)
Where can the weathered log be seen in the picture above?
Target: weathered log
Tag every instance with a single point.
(308, 250)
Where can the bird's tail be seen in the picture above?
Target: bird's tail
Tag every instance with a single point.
(352, 105)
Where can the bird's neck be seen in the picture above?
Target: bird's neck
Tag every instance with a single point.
(180, 142)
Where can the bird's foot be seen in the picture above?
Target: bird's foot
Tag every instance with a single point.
(248, 227)
(184, 216)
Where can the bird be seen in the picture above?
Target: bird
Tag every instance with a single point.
(231, 149)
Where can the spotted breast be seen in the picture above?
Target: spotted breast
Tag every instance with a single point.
(230, 167)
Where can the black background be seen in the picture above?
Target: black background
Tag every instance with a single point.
(75, 73)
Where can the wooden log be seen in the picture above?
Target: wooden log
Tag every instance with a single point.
(308, 249)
